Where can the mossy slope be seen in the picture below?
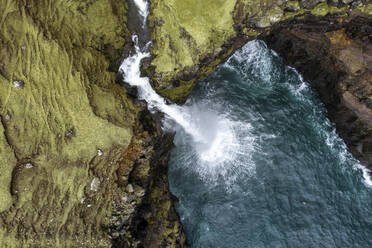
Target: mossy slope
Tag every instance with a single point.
(67, 124)
(186, 29)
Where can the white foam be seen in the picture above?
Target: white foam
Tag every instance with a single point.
(143, 8)
(219, 144)
(130, 68)
(299, 89)
(226, 156)
(212, 135)
(261, 61)
(367, 176)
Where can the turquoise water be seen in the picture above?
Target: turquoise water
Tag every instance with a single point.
(270, 170)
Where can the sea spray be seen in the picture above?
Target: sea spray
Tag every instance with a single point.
(303, 192)
(212, 135)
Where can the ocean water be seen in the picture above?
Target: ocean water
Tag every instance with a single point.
(258, 163)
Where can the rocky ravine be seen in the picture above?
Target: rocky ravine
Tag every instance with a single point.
(84, 165)
(81, 164)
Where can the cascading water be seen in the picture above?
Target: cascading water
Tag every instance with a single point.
(257, 163)
(143, 9)
(212, 135)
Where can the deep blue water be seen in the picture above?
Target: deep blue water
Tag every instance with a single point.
(272, 171)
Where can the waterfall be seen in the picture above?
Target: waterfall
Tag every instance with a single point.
(217, 138)
(212, 134)
(143, 9)
(130, 68)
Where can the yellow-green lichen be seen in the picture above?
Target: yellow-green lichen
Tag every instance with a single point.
(9, 240)
(321, 9)
(293, 5)
(7, 161)
(179, 93)
(367, 8)
(324, 9)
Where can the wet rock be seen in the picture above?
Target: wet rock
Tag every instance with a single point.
(18, 84)
(70, 133)
(82, 93)
(132, 91)
(94, 185)
(29, 166)
(333, 2)
(130, 188)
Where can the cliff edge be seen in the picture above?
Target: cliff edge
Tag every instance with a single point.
(329, 42)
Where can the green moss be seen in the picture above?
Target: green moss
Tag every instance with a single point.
(321, 9)
(7, 161)
(294, 5)
(189, 30)
(324, 9)
(10, 241)
(367, 9)
(251, 32)
(180, 93)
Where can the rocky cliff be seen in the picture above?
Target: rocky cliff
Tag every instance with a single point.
(334, 54)
(329, 42)
(82, 164)
(192, 37)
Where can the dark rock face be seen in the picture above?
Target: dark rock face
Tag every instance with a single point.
(309, 4)
(157, 213)
(150, 220)
(334, 55)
